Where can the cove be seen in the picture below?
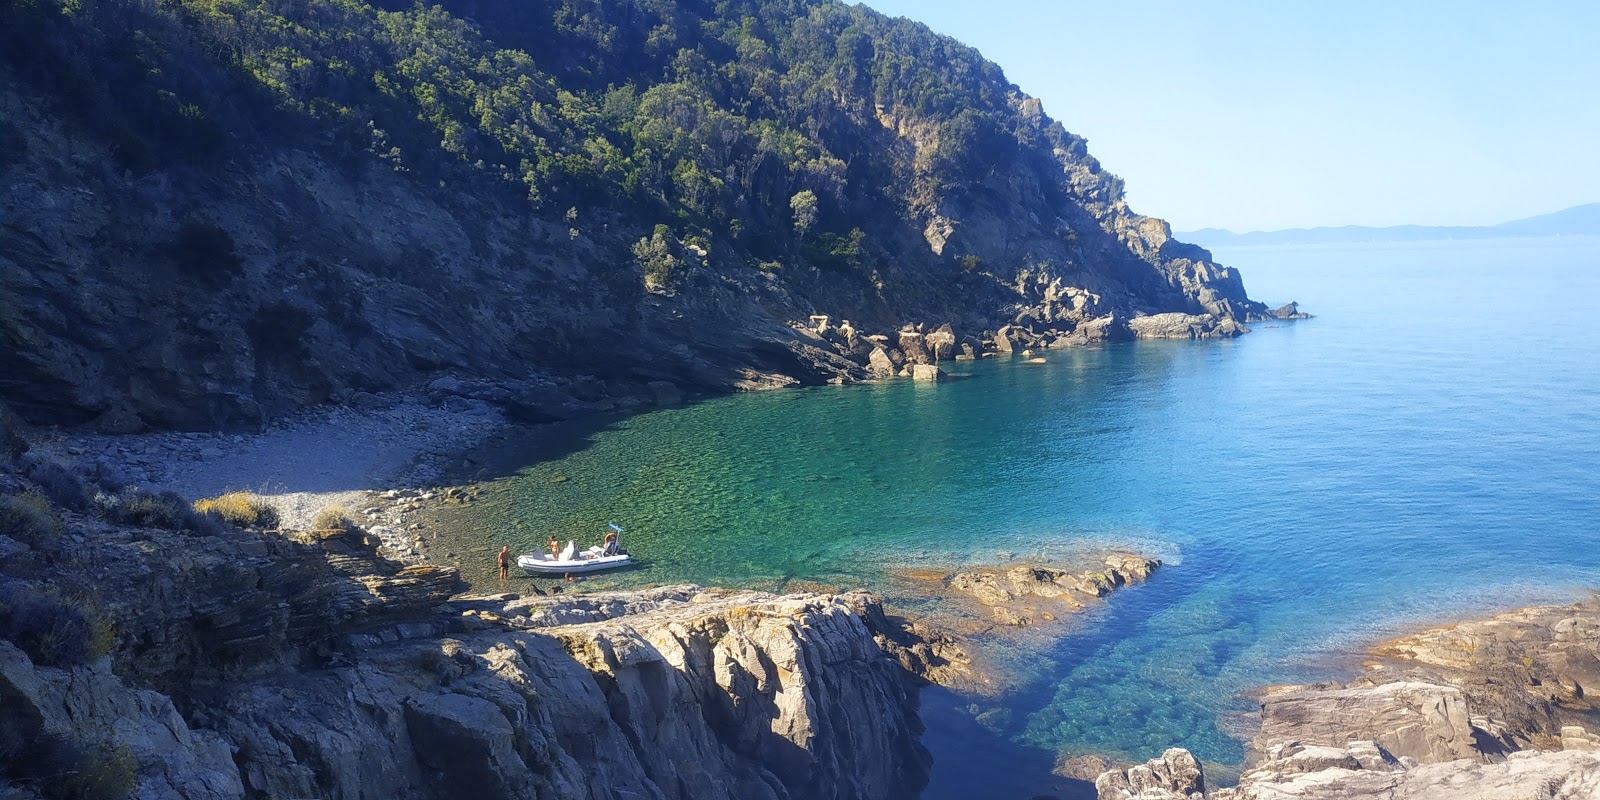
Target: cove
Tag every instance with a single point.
(1428, 447)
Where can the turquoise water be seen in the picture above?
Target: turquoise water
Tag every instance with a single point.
(1428, 447)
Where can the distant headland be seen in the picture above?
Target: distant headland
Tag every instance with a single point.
(1581, 220)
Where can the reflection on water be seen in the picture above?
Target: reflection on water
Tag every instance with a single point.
(1428, 447)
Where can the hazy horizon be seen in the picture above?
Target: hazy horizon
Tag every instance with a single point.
(1381, 227)
(1257, 117)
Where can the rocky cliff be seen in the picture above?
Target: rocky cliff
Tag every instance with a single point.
(1492, 709)
(176, 658)
(214, 213)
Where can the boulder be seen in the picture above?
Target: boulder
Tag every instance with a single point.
(941, 343)
(927, 373)
(915, 348)
(1176, 774)
(1289, 310)
(880, 365)
(1005, 339)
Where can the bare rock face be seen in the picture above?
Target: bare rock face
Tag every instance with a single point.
(1424, 721)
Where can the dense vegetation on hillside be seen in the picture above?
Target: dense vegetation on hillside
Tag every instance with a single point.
(710, 116)
(219, 210)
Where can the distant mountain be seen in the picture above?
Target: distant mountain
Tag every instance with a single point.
(1581, 220)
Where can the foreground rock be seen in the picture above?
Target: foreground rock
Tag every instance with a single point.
(1365, 769)
(305, 665)
(1492, 709)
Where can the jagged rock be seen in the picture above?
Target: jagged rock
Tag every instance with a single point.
(880, 364)
(1175, 325)
(1486, 709)
(1108, 328)
(1176, 774)
(915, 349)
(1006, 339)
(941, 343)
(1358, 770)
(89, 703)
(1288, 311)
(927, 373)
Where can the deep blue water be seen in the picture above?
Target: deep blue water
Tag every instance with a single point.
(1428, 447)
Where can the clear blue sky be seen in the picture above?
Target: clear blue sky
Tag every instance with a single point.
(1265, 115)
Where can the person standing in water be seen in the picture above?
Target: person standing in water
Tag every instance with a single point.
(505, 563)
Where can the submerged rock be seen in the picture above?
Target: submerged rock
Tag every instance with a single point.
(1492, 709)
(1010, 593)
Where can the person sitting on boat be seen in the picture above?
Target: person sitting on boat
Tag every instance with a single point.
(555, 548)
(610, 544)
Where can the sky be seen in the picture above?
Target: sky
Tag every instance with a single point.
(1269, 115)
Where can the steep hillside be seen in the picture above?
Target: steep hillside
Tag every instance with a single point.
(216, 211)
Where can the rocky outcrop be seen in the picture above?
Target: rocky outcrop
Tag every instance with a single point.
(1176, 325)
(1013, 594)
(1364, 769)
(671, 693)
(1424, 721)
(1176, 775)
(1289, 310)
(1492, 709)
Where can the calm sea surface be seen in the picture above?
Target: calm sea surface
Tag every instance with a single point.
(1427, 447)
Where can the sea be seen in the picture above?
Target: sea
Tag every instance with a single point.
(1426, 448)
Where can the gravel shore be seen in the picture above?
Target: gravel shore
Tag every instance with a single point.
(387, 457)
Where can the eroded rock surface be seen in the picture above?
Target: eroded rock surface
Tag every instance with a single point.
(1013, 595)
(1491, 709)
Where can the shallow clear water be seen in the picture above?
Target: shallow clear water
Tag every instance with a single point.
(1428, 447)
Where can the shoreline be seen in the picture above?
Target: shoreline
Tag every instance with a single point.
(383, 463)
(395, 459)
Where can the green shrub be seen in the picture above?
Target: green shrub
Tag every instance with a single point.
(29, 519)
(12, 441)
(154, 510)
(64, 768)
(239, 509)
(59, 482)
(105, 771)
(53, 631)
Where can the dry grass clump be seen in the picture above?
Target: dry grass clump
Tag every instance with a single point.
(331, 518)
(239, 508)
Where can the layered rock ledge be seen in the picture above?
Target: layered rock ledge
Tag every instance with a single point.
(1492, 709)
